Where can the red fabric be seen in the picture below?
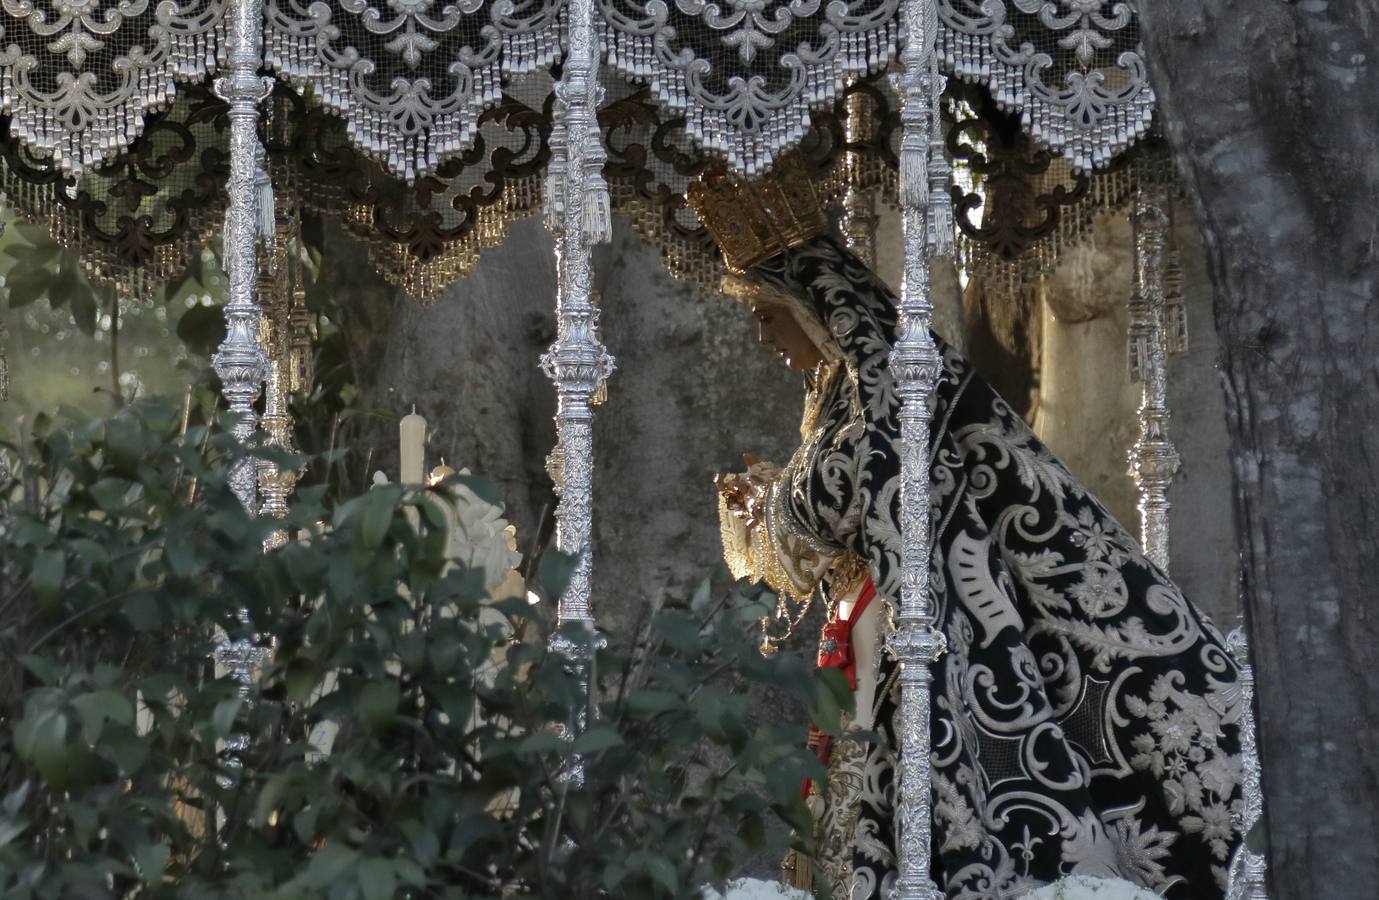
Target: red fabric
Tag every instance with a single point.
(840, 657)
(840, 630)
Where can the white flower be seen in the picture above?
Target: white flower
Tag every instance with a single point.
(1085, 887)
(478, 537)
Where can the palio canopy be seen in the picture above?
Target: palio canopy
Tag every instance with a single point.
(428, 128)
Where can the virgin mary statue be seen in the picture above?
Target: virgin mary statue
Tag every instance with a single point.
(1084, 716)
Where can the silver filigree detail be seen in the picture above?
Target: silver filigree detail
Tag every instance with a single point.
(240, 361)
(1246, 879)
(78, 77)
(1154, 460)
(411, 78)
(242, 660)
(916, 364)
(1073, 69)
(275, 484)
(746, 75)
(578, 363)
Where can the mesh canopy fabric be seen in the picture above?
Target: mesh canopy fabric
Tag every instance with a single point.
(424, 234)
(1071, 69)
(653, 159)
(78, 79)
(746, 76)
(413, 81)
(139, 216)
(1017, 205)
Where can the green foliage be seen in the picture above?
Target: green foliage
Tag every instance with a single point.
(36, 267)
(72, 341)
(406, 734)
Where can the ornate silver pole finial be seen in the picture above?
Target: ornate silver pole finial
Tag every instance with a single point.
(915, 362)
(577, 213)
(1246, 878)
(1153, 459)
(240, 361)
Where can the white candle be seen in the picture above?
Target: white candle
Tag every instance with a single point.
(411, 432)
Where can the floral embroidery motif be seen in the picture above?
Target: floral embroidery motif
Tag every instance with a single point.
(1101, 592)
(1183, 748)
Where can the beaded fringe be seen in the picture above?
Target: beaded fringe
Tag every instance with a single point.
(445, 127)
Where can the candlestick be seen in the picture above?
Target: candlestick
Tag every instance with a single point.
(411, 432)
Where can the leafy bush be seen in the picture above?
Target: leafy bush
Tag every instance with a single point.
(446, 775)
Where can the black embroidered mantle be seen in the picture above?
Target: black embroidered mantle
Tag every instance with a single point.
(1085, 716)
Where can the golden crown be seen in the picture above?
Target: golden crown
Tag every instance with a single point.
(752, 221)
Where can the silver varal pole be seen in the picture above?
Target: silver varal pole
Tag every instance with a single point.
(916, 642)
(1154, 460)
(240, 361)
(578, 215)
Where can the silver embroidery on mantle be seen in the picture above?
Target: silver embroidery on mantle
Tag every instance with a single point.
(410, 77)
(1073, 69)
(1246, 880)
(77, 77)
(746, 73)
(1084, 717)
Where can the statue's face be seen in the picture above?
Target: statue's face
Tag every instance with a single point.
(779, 330)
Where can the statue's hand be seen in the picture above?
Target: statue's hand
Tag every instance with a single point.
(743, 496)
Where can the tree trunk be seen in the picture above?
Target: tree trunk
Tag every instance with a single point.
(1271, 108)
